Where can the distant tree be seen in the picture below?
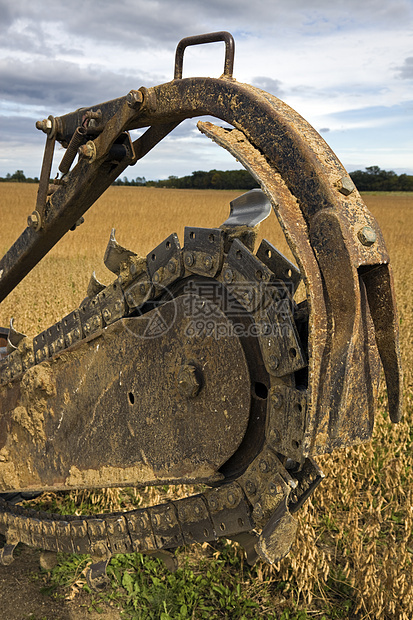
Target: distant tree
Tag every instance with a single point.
(18, 176)
(375, 179)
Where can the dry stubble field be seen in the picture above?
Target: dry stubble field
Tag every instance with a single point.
(356, 532)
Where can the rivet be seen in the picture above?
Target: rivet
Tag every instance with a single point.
(250, 487)
(208, 262)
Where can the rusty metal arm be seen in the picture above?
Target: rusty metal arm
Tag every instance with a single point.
(81, 188)
(319, 199)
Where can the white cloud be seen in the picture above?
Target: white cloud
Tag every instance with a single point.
(325, 59)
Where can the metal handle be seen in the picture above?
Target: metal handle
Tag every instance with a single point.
(211, 37)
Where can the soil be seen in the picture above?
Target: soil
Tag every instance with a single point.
(21, 596)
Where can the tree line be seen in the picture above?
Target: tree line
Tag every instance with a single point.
(370, 179)
(214, 179)
(18, 177)
(373, 179)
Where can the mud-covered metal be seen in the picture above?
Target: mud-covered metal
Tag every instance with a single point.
(159, 398)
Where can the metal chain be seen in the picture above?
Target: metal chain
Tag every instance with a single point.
(228, 510)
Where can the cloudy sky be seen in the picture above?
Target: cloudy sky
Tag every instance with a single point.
(346, 66)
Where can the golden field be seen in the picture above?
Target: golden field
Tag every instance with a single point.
(356, 531)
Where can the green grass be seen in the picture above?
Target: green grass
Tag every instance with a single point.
(212, 585)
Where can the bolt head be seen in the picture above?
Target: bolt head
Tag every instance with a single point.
(258, 511)
(34, 220)
(172, 266)
(45, 125)
(189, 259)
(273, 362)
(274, 437)
(367, 235)
(346, 186)
(213, 502)
(134, 98)
(228, 276)
(231, 499)
(88, 150)
(208, 262)
(274, 488)
(276, 400)
(189, 382)
(248, 296)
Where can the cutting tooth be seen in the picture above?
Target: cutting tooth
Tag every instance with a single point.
(94, 286)
(14, 338)
(6, 553)
(249, 209)
(96, 576)
(115, 254)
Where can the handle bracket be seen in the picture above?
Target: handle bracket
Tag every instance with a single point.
(211, 37)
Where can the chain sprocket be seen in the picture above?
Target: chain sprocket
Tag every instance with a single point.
(256, 482)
